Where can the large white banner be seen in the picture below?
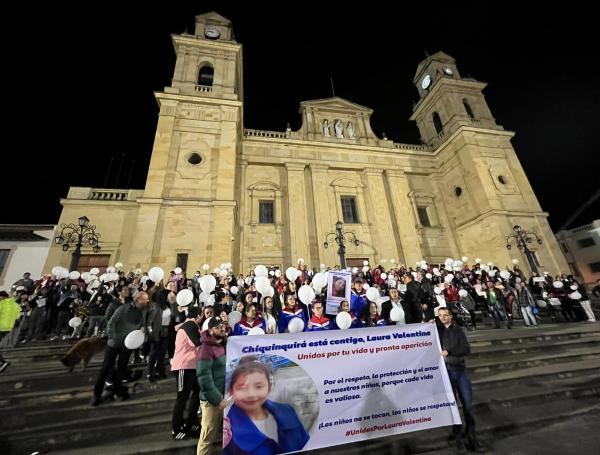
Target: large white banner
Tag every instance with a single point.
(303, 391)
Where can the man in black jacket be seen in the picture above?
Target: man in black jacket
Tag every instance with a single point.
(412, 297)
(409, 315)
(455, 347)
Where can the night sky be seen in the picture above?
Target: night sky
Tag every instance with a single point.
(83, 84)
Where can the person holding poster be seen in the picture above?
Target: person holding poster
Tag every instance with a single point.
(258, 425)
(455, 347)
(358, 302)
(345, 307)
(338, 289)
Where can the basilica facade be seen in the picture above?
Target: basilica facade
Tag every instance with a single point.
(217, 192)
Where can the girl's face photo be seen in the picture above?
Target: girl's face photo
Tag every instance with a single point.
(339, 284)
(250, 391)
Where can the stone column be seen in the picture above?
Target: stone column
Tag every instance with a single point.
(382, 234)
(323, 220)
(297, 213)
(404, 215)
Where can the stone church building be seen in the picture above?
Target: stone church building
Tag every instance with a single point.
(217, 192)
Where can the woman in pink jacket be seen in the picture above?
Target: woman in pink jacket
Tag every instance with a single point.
(187, 344)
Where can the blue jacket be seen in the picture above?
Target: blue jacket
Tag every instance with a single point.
(242, 327)
(358, 303)
(247, 439)
(285, 316)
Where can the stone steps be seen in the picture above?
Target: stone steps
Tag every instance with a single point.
(522, 378)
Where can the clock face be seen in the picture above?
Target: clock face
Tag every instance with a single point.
(448, 71)
(212, 32)
(426, 81)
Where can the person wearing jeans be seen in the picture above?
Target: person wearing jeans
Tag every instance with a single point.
(527, 303)
(455, 347)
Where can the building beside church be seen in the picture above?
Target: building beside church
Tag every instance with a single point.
(217, 192)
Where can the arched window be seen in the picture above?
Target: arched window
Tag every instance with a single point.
(468, 109)
(205, 76)
(437, 122)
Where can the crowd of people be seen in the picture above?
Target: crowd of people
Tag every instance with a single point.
(190, 333)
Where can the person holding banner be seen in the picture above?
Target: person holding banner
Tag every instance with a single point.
(345, 307)
(249, 321)
(318, 321)
(408, 315)
(290, 311)
(371, 318)
(455, 347)
(258, 425)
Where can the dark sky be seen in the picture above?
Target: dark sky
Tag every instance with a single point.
(83, 82)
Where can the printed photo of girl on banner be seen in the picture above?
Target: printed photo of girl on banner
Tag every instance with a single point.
(263, 420)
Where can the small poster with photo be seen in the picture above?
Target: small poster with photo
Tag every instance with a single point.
(338, 289)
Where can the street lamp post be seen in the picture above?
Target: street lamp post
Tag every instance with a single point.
(339, 236)
(522, 239)
(78, 234)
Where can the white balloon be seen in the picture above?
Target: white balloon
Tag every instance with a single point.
(541, 303)
(217, 270)
(365, 269)
(203, 297)
(372, 294)
(306, 294)
(463, 293)
(74, 275)
(515, 261)
(383, 276)
(437, 290)
(319, 281)
(177, 270)
(240, 282)
(95, 271)
(119, 265)
(291, 273)
(75, 322)
(354, 270)
(423, 264)
(205, 267)
(205, 325)
(477, 261)
(366, 286)
(558, 284)
(428, 276)
(391, 283)
(185, 297)
(208, 283)
(277, 273)
(138, 271)
(300, 260)
(269, 292)
(343, 320)
(134, 340)
(492, 273)
(85, 276)
(271, 324)
(573, 287)
(156, 274)
(575, 295)
(56, 270)
(223, 273)
(110, 270)
(233, 318)
(256, 331)
(365, 262)
(233, 290)
(505, 274)
(464, 259)
(210, 300)
(395, 314)
(260, 270)
(296, 325)
(448, 262)
(271, 272)
(228, 265)
(262, 284)
(449, 278)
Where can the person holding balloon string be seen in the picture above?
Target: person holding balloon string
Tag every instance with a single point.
(249, 321)
(290, 311)
(341, 321)
(271, 310)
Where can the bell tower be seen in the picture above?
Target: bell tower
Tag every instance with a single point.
(447, 100)
(189, 201)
